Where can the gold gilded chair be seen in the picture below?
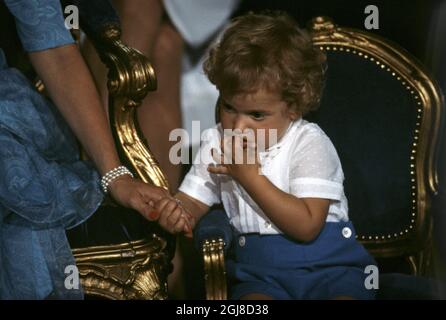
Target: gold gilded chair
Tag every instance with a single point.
(383, 112)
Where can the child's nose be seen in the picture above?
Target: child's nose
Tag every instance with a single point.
(239, 123)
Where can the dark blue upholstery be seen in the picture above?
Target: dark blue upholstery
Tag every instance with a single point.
(94, 15)
(406, 287)
(214, 225)
(370, 117)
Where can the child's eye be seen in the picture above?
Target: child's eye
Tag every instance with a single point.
(227, 107)
(257, 115)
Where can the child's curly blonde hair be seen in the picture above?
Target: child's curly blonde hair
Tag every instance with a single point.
(268, 51)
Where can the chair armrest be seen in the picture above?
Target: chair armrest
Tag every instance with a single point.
(213, 226)
(213, 237)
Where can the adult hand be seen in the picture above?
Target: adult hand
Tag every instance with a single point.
(137, 195)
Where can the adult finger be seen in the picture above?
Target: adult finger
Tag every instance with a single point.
(152, 193)
(159, 205)
(167, 210)
(139, 204)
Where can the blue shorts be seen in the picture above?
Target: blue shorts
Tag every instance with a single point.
(332, 265)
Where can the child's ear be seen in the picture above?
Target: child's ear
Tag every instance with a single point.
(294, 115)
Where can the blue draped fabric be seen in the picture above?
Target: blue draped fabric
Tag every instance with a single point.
(44, 187)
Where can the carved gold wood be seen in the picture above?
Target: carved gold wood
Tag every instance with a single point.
(214, 269)
(390, 58)
(130, 78)
(135, 270)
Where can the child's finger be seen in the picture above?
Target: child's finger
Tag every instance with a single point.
(162, 203)
(237, 149)
(250, 152)
(227, 147)
(167, 210)
(189, 217)
(174, 217)
(157, 212)
(218, 169)
(187, 229)
(179, 226)
(217, 156)
(188, 234)
(225, 153)
(171, 206)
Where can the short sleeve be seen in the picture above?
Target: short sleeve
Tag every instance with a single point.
(316, 170)
(40, 24)
(199, 183)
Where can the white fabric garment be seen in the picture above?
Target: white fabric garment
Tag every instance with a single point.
(198, 20)
(303, 163)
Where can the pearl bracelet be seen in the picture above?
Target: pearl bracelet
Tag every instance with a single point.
(112, 175)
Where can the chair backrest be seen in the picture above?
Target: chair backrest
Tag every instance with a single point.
(383, 113)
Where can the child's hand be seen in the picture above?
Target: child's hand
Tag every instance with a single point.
(173, 217)
(239, 158)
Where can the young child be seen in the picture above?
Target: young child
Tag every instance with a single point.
(295, 240)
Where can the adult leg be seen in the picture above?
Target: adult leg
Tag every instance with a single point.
(160, 111)
(140, 23)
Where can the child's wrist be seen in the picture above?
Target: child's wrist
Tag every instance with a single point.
(249, 180)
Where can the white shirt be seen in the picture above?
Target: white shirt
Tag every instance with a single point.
(303, 163)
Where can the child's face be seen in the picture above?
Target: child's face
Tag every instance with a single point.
(258, 110)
